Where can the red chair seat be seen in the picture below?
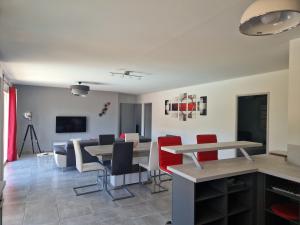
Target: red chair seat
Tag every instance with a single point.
(288, 211)
(206, 139)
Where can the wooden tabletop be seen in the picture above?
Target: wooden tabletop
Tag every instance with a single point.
(141, 150)
(210, 147)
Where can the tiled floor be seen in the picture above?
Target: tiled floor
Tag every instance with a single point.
(37, 193)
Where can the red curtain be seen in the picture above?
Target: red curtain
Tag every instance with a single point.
(12, 126)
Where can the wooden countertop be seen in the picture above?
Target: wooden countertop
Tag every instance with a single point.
(271, 165)
(210, 147)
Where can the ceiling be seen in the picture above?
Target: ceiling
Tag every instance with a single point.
(60, 42)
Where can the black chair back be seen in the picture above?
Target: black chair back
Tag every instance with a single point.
(106, 139)
(122, 157)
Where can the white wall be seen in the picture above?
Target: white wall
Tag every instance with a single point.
(1, 125)
(294, 95)
(221, 118)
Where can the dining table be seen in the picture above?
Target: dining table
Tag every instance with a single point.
(104, 152)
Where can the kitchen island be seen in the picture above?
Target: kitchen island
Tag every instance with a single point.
(234, 191)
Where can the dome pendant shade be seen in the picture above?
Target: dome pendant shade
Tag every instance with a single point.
(80, 90)
(267, 17)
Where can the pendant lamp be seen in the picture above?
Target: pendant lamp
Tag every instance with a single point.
(267, 17)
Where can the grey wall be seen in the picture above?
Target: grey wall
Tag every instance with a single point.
(127, 98)
(47, 102)
(127, 123)
(148, 120)
(138, 116)
(130, 116)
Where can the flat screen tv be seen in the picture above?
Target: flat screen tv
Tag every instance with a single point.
(70, 124)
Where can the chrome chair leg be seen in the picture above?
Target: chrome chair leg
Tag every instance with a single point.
(122, 187)
(155, 184)
(78, 193)
(158, 184)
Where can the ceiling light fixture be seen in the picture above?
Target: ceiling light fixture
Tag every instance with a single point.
(130, 74)
(80, 89)
(267, 17)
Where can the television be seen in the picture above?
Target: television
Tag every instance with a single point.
(70, 124)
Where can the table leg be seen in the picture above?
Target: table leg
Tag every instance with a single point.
(194, 157)
(247, 156)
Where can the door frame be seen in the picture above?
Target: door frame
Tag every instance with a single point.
(268, 114)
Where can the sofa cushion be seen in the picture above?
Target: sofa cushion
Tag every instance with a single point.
(59, 149)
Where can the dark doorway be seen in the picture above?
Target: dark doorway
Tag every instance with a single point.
(253, 121)
(148, 120)
(130, 118)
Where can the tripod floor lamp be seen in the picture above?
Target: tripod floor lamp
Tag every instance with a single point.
(33, 137)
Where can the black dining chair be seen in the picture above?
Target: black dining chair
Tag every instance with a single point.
(121, 164)
(106, 139)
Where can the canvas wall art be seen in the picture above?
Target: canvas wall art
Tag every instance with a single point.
(202, 106)
(186, 106)
(167, 107)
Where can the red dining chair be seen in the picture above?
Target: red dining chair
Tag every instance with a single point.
(165, 158)
(206, 139)
(168, 159)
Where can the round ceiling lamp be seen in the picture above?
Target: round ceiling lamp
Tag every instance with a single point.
(80, 90)
(267, 17)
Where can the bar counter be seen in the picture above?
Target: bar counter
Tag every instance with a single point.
(234, 191)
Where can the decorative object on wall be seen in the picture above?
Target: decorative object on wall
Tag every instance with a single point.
(174, 108)
(167, 107)
(202, 106)
(191, 106)
(105, 108)
(185, 106)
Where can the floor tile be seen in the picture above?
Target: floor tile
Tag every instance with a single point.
(38, 193)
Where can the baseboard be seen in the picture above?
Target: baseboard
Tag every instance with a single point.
(293, 154)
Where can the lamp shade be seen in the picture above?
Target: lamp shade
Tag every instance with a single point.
(80, 90)
(267, 17)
